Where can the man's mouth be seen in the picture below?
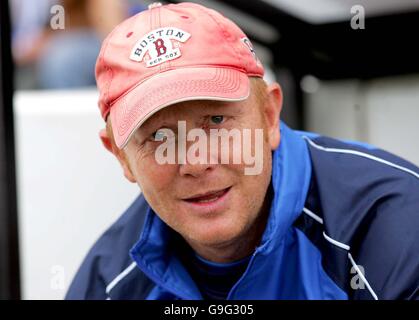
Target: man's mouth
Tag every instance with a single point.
(207, 196)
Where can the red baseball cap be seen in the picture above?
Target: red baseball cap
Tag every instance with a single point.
(169, 54)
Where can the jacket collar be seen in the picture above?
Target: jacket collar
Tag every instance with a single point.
(291, 174)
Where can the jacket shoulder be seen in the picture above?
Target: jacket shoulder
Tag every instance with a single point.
(366, 204)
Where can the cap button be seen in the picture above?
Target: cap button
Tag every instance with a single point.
(154, 5)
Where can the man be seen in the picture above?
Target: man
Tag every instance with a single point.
(308, 217)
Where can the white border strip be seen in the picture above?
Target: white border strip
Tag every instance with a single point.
(336, 243)
(345, 247)
(313, 215)
(362, 154)
(119, 277)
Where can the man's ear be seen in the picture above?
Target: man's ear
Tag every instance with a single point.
(272, 110)
(106, 141)
(119, 154)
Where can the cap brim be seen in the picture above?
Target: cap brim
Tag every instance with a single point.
(173, 86)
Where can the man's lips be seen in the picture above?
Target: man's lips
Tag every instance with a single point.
(207, 196)
(208, 203)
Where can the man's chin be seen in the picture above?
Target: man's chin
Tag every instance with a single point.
(215, 237)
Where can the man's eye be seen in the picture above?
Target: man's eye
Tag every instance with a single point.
(160, 134)
(217, 119)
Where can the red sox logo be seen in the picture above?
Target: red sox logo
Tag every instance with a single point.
(158, 46)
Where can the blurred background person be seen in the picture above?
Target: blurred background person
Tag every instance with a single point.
(62, 58)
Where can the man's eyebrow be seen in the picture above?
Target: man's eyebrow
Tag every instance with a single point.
(217, 104)
(156, 125)
(223, 107)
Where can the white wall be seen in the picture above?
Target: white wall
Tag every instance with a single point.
(383, 112)
(70, 189)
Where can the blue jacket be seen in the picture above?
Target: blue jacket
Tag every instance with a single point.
(343, 224)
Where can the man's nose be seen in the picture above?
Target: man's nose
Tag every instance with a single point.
(195, 170)
(196, 156)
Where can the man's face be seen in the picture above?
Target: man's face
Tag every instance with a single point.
(208, 204)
